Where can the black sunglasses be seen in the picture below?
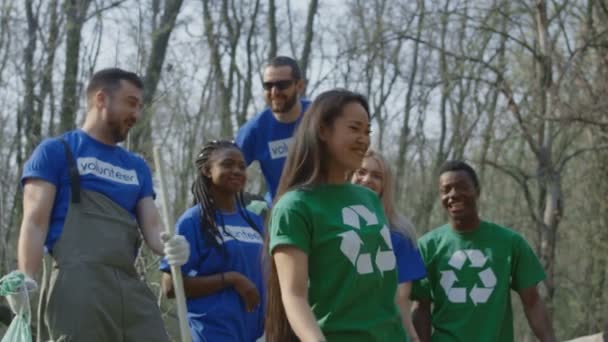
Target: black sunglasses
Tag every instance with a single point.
(280, 85)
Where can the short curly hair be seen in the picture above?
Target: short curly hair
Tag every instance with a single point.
(459, 165)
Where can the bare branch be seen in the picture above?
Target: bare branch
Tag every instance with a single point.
(571, 156)
(99, 10)
(521, 178)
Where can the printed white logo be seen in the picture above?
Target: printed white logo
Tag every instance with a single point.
(279, 148)
(459, 294)
(245, 234)
(351, 242)
(94, 166)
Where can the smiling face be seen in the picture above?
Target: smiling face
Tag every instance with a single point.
(283, 90)
(459, 198)
(347, 139)
(120, 109)
(227, 171)
(370, 175)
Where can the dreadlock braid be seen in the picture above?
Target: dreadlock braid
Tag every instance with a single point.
(201, 191)
(245, 213)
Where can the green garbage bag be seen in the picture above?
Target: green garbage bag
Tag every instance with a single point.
(19, 329)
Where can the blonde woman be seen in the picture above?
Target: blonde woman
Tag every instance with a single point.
(375, 174)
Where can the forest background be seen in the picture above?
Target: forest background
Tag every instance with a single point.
(519, 88)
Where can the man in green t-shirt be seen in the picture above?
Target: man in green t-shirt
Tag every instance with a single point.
(472, 265)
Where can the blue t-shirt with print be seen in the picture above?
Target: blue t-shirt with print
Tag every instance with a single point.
(110, 170)
(267, 140)
(410, 266)
(222, 316)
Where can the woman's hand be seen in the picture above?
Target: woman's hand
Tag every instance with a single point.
(245, 288)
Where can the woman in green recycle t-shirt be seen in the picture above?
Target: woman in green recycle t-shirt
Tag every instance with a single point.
(333, 275)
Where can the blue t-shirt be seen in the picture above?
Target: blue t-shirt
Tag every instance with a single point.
(110, 170)
(222, 316)
(267, 140)
(410, 266)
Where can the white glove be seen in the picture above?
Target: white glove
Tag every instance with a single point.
(176, 249)
(20, 301)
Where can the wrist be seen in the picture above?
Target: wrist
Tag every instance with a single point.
(230, 278)
(29, 270)
(28, 280)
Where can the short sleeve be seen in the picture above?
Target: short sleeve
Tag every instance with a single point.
(187, 227)
(46, 162)
(290, 224)
(147, 187)
(526, 269)
(421, 288)
(245, 140)
(409, 262)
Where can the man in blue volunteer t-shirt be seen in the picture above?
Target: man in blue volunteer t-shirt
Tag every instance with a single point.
(86, 200)
(266, 137)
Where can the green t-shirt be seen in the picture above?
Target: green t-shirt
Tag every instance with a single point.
(351, 265)
(469, 278)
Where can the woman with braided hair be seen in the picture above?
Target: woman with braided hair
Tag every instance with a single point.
(223, 276)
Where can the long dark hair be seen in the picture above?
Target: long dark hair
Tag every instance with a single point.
(306, 165)
(203, 197)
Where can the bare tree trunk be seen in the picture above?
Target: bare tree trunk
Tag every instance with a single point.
(32, 120)
(547, 209)
(597, 309)
(422, 216)
(404, 135)
(550, 180)
(272, 29)
(309, 33)
(494, 93)
(242, 116)
(142, 135)
(600, 254)
(76, 12)
(216, 62)
(233, 25)
(26, 116)
(46, 86)
(6, 13)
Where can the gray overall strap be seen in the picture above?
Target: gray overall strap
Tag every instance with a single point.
(73, 172)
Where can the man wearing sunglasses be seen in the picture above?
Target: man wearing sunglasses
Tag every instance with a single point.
(266, 137)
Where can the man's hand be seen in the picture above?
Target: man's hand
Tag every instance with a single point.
(19, 300)
(421, 317)
(175, 248)
(537, 314)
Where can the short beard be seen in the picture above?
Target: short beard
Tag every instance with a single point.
(119, 137)
(290, 102)
(115, 128)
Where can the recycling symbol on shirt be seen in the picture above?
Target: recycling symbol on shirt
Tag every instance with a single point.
(478, 294)
(351, 242)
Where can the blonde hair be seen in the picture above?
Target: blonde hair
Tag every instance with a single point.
(397, 221)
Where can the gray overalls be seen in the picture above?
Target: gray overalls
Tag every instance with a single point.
(94, 293)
